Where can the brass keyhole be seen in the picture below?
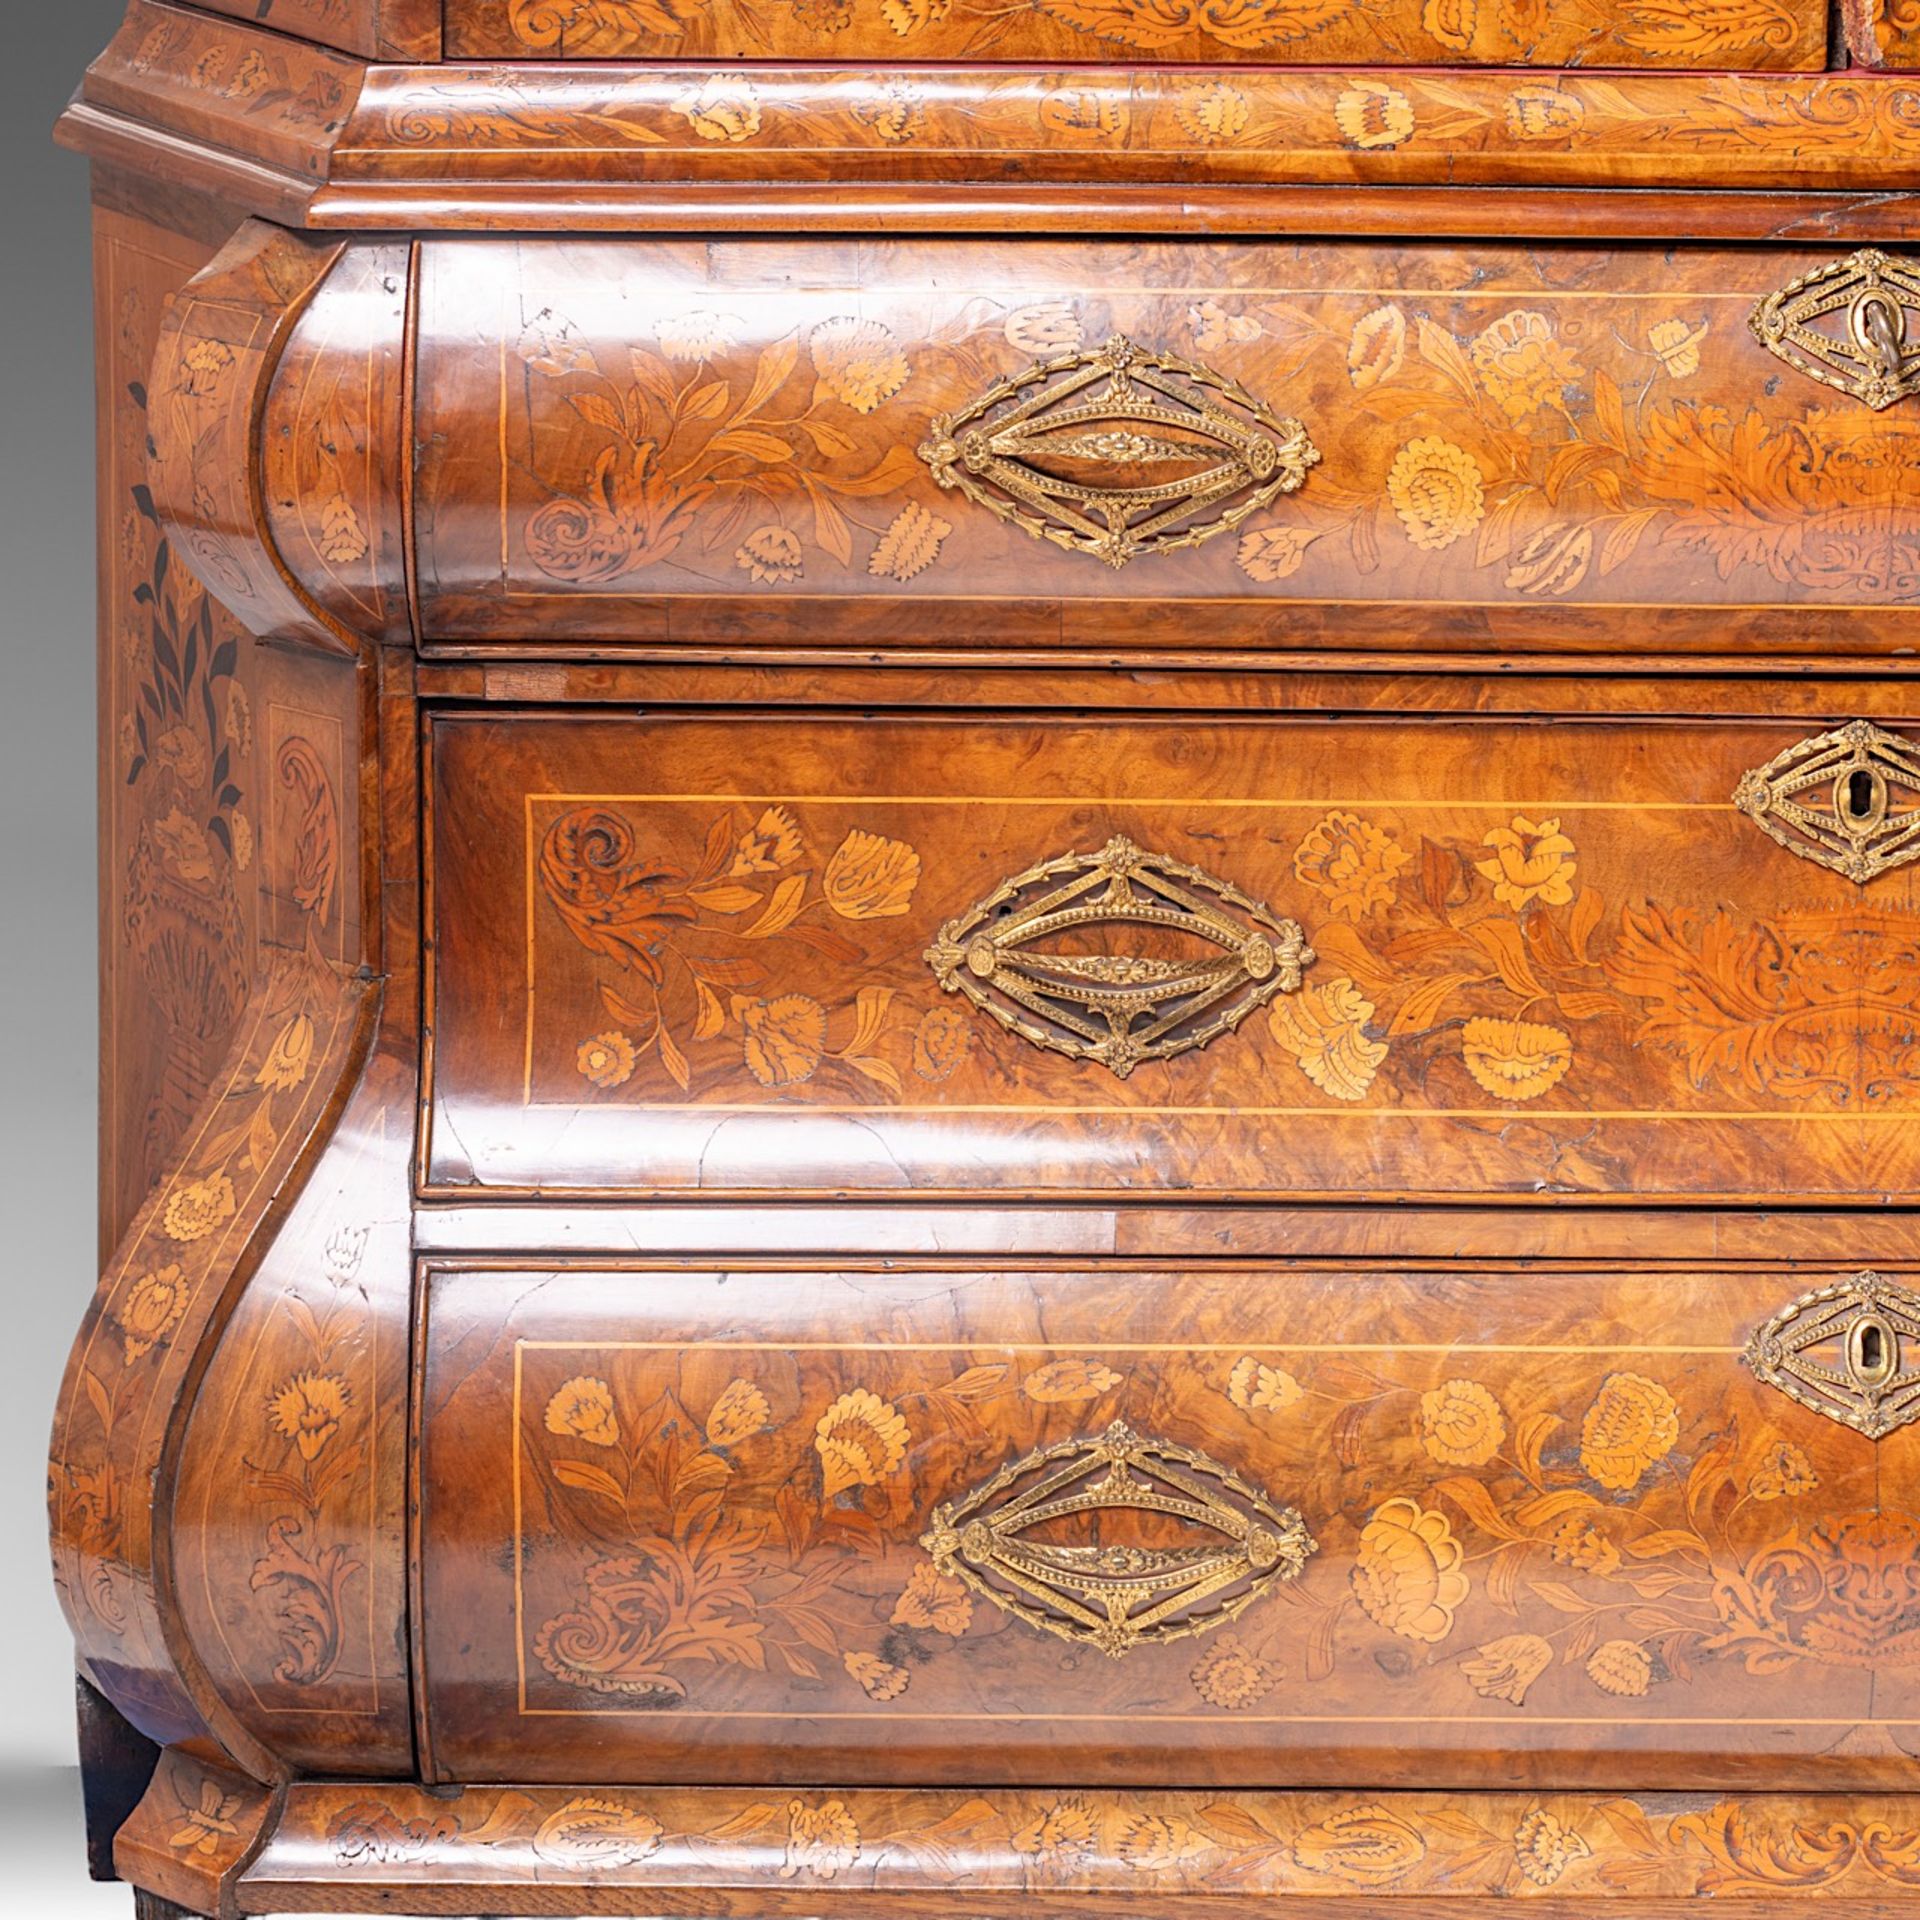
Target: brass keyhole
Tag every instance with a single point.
(1860, 793)
(1872, 1354)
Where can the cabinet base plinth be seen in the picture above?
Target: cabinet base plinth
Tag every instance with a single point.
(360, 1848)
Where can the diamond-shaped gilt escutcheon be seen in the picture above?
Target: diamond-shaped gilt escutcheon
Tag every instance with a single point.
(1849, 800)
(1854, 325)
(1850, 1351)
(1205, 956)
(1118, 451)
(1117, 1594)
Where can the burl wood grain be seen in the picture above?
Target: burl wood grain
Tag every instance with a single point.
(622, 646)
(229, 1016)
(689, 955)
(1562, 1535)
(377, 29)
(290, 1563)
(1620, 33)
(1317, 1856)
(598, 126)
(297, 132)
(663, 443)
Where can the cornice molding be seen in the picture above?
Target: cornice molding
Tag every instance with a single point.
(310, 137)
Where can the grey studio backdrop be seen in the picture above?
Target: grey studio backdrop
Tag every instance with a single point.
(47, 886)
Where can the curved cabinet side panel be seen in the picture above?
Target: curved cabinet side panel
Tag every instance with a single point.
(166, 1290)
(291, 1511)
(234, 863)
(219, 346)
(331, 435)
(290, 1514)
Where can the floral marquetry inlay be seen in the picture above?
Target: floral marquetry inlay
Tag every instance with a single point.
(1609, 33)
(1610, 1853)
(1299, 941)
(1507, 1509)
(1119, 452)
(1490, 436)
(1119, 1008)
(1118, 1596)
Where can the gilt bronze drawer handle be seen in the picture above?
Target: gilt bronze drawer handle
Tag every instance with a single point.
(1849, 800)
(1850, 1351)
(1118, 1008)
(1849, 326)
(1118, 1596)
(1118, 452)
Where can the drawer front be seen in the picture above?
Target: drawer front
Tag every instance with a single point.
(1339, 1526)
(1609, 33)
(376, 29)
(1380, 955)
(1122, 446)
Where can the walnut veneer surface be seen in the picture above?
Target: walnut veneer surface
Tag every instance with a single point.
(1011, 959)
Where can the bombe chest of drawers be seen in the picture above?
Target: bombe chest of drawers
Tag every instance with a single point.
(1012, 925)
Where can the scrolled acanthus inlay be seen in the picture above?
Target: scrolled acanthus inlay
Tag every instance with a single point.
(1849, 800)
(1850, 325)
(1118, 1008)
(1117, 1595)
(1117, 451)
(1850, 1351)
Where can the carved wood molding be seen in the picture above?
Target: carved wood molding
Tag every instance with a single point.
(292, 130)
(1629, 34)
(162, 1302)
(642, 126)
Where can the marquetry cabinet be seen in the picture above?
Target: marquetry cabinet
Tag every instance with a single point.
(1012, 960)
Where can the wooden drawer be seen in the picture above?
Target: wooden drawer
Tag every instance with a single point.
(1607, 33)
(376, 29)
(1307, 1525)
(1117, 446)
(997, 955)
